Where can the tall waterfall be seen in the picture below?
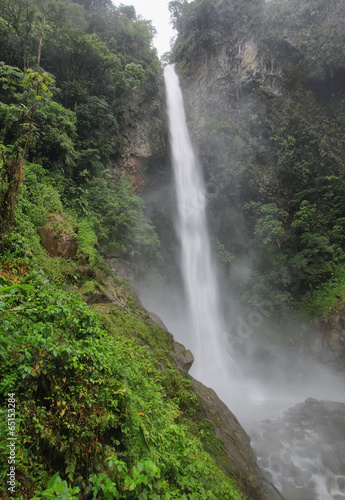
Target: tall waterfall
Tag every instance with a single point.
(253, 398)
(198, 271)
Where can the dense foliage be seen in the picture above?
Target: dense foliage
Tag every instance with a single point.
(94, 71)
(101, 409)
(104, 413)
(204, 25)
(96, 413)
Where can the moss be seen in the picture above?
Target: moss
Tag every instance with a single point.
(87, 241)
(89, 287)
(62, 223)
(214, 445)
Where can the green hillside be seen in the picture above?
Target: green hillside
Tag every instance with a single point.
(101, 409)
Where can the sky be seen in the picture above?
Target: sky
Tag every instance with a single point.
(157, 11)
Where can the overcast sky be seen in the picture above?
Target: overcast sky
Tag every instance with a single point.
(157, 11)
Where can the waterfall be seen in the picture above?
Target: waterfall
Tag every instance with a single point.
(198, 271)
(293, 459)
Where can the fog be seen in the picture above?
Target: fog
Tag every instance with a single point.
(260, 382)
(260, 385)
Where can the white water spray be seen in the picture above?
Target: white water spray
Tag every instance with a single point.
(198, 271)
(252, 399)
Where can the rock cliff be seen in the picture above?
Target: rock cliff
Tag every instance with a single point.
(324, 340)
(241, 458)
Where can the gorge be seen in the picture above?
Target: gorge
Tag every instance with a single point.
(240, 272)
(296, 460)
(325, 482)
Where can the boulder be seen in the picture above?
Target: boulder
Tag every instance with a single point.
(182, 356)
(58, 236)
(157, 320)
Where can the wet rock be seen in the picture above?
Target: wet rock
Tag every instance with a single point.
(122, 295)
(332, 461)
(324, 339)
(157, 320)
(311, 451)
(183, 357)
(341, 483)
(124, 270)
(236, 441)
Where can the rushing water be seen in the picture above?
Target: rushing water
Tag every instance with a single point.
(297, 461)
(198, 271)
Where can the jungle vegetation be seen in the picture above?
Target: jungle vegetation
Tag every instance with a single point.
(101, 409)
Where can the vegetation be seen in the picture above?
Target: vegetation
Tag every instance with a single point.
(94, 69)
(101, 409)
(203, 26)
(103, 412)
(97, 414)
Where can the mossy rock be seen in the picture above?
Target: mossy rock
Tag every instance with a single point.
(58, 236)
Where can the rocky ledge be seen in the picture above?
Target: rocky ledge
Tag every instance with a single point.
(236, 442)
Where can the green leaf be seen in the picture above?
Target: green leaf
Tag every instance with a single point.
(54, 481)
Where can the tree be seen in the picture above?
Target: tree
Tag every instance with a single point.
(269, 228)
(31, 21)
(26, 92)
(177, 9)
(128, 10)
(94, 3)
(44, 9)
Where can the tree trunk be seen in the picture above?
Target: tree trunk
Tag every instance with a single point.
(40, 43)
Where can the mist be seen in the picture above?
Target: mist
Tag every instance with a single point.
(256, 107)
(279, 395)
(262, 386)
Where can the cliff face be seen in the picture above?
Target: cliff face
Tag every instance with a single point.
(324, 339)
(144, 151)
(264, 91)
(226, 101)
(240, 456)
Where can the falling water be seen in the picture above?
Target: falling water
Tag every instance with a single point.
(197, 267)
(247, 396)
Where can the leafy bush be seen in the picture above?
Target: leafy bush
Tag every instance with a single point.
(87, 241)
(57, 489)
(55, 136)
(119, 221)
(93, 405)
(39, 197)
